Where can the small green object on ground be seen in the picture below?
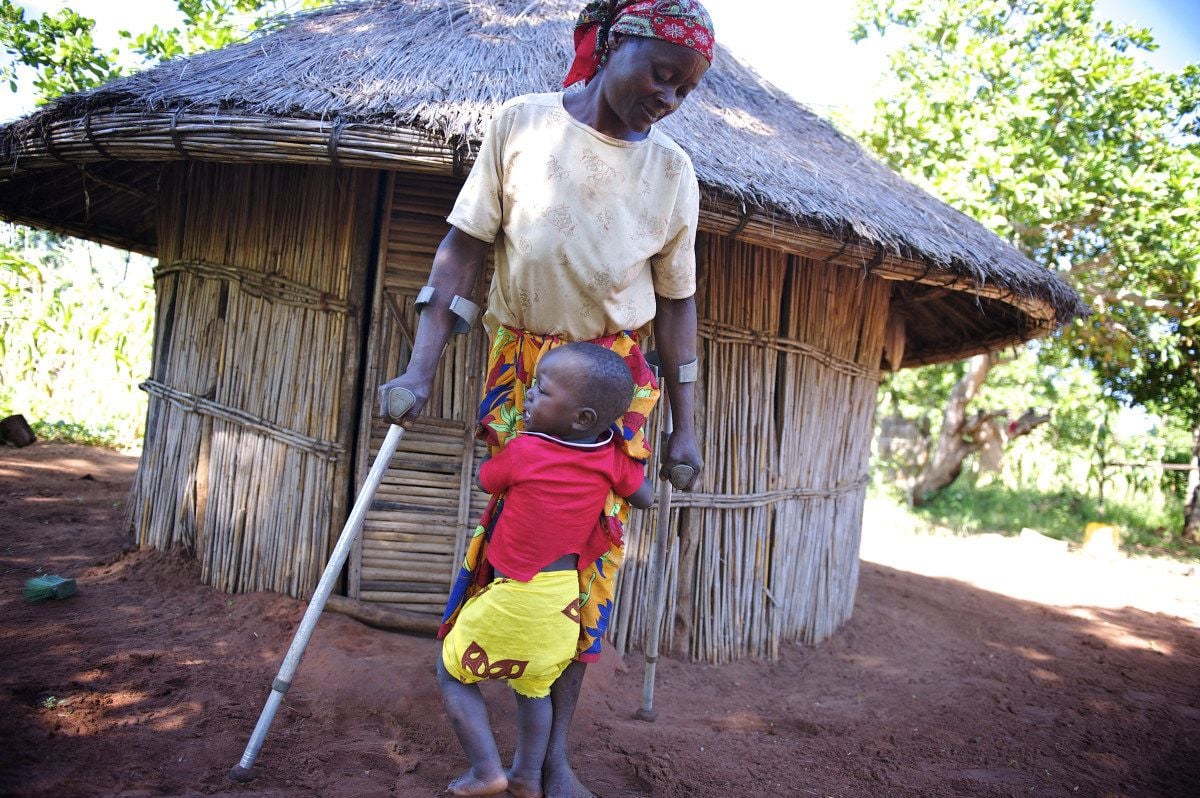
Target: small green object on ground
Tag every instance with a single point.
(48, 586)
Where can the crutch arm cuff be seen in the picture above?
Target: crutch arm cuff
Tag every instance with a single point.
(424, 297)
(689, 372)
(466, 310)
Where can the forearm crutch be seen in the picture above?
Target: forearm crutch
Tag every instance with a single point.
(680, 476)
(399, 402)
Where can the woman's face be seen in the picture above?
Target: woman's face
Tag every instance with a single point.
(648, 79)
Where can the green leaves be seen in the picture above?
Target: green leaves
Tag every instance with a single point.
(60, 50)
(1043, 123)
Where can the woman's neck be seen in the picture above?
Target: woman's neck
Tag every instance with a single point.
(589, 107)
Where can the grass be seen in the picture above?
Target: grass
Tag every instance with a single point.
(1061, 514)
(71, 432)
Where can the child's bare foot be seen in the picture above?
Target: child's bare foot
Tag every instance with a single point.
(471, 783)
(525, 785)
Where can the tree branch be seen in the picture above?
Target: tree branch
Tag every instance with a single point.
(1126, 297)
(1101, 261)
(1025, 423)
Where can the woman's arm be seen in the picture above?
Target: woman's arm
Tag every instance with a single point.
(456, 269)
(675, 336)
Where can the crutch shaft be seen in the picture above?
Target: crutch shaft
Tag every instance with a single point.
(341, 551)
(658, 557)
(658, 581)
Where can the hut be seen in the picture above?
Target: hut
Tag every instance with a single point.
(293, 189)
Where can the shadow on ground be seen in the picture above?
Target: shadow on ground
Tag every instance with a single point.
(148, 683)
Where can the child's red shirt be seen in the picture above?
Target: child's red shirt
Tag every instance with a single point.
(554, 494)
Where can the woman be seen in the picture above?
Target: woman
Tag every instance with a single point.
(592, 213)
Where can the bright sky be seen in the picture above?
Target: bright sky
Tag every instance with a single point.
(802, 46)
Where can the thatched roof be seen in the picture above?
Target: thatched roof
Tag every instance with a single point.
(410, 83)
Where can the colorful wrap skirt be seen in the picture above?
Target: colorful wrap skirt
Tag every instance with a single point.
(511, 363)
(523, 633)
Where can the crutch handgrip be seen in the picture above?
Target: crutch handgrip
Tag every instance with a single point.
(399, 401)
(681, 476)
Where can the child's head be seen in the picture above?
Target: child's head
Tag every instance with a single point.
(579, 391)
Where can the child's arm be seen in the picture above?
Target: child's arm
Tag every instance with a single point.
(479, 472)
(643, 497)
(631, 482)
(496, 473)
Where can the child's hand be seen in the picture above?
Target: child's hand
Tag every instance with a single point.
(478, 469)
(643, 497)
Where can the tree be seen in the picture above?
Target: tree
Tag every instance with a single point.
(72, 318)
(962, 435)
(63, 55)
(1038, 119)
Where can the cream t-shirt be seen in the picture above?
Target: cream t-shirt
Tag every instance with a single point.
(587, 228)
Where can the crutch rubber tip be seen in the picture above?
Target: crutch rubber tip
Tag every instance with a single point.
(241, 775)
(648, 715)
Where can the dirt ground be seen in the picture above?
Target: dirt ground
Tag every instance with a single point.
(972, 667)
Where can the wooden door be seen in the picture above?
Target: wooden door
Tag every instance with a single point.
(413, 537)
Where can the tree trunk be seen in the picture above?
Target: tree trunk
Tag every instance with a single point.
(944, 466)
(1191, 512)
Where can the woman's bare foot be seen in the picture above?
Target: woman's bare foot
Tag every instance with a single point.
(471, 783)
(560, 782)
(525, 785)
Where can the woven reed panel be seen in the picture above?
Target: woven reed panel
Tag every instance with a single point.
(765, 551)
(256, 311)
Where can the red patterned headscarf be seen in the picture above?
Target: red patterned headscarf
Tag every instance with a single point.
(683, 22)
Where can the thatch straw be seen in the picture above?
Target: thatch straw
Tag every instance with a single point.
(440, 68)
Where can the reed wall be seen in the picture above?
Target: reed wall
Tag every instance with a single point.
(255, 392)
(765, 550)
(255, 384)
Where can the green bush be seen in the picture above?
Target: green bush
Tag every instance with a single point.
(1060, 514)
(68, 432)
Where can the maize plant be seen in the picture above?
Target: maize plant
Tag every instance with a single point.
(75, 337)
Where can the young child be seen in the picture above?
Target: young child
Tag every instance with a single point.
(524, 627)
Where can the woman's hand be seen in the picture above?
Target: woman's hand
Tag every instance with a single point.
(682, 449)
(419, 387)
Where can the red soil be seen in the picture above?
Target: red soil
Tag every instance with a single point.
(935, 688)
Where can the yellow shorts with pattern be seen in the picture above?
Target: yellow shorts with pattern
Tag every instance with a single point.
(524, 633)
